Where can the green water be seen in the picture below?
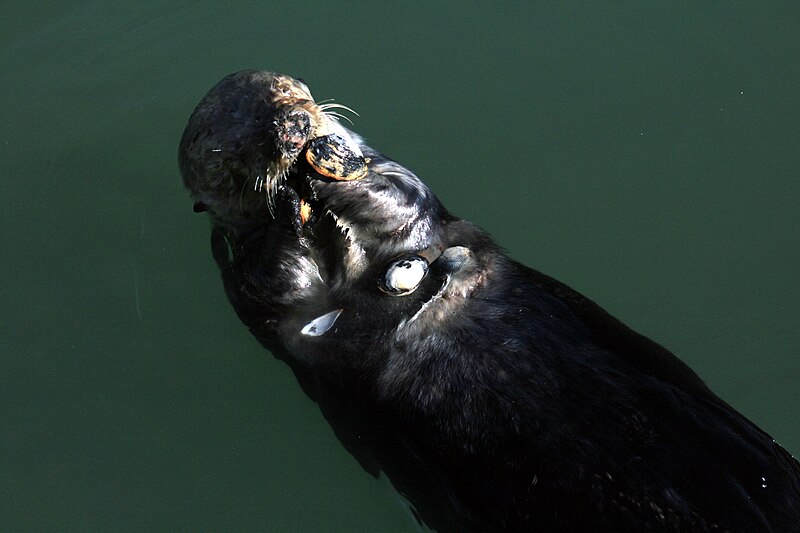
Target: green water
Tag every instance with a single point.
(644, 153)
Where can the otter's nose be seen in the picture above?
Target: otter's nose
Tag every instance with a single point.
(292, 128)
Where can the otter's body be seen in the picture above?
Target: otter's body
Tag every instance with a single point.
(494, 397)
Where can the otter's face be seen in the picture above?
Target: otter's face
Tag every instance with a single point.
(320, 225)
(248, 132)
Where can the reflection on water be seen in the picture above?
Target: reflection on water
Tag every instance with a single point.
(645, 156)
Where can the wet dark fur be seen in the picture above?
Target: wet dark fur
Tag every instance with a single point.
(528, 408)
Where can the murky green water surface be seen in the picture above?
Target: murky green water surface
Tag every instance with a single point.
(644, 153)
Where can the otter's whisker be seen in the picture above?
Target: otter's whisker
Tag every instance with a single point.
(338, 116)
(335, 105)
(269, 195)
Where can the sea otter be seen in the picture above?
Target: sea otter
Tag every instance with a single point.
(494, 397)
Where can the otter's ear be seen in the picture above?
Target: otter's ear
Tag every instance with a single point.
(200, 207)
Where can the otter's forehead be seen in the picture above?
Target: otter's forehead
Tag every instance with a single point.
(274, 88)
(286, 89)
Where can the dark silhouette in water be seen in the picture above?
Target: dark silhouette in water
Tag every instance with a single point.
(494, 397)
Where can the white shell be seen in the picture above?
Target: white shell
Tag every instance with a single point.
(321, 324)
(404, 275)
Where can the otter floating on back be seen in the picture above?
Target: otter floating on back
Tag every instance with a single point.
(494, 397)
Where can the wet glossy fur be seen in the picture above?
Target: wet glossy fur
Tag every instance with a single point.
(494, 397)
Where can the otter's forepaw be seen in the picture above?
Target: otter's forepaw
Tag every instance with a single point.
(288, 208)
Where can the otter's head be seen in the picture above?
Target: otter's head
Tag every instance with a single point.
(319, 222)
(258, 147)
(246, 136)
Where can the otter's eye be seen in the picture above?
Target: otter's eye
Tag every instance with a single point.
(403, 276)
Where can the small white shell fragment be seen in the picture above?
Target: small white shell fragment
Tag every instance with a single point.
(321, 324)
(404, 275)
